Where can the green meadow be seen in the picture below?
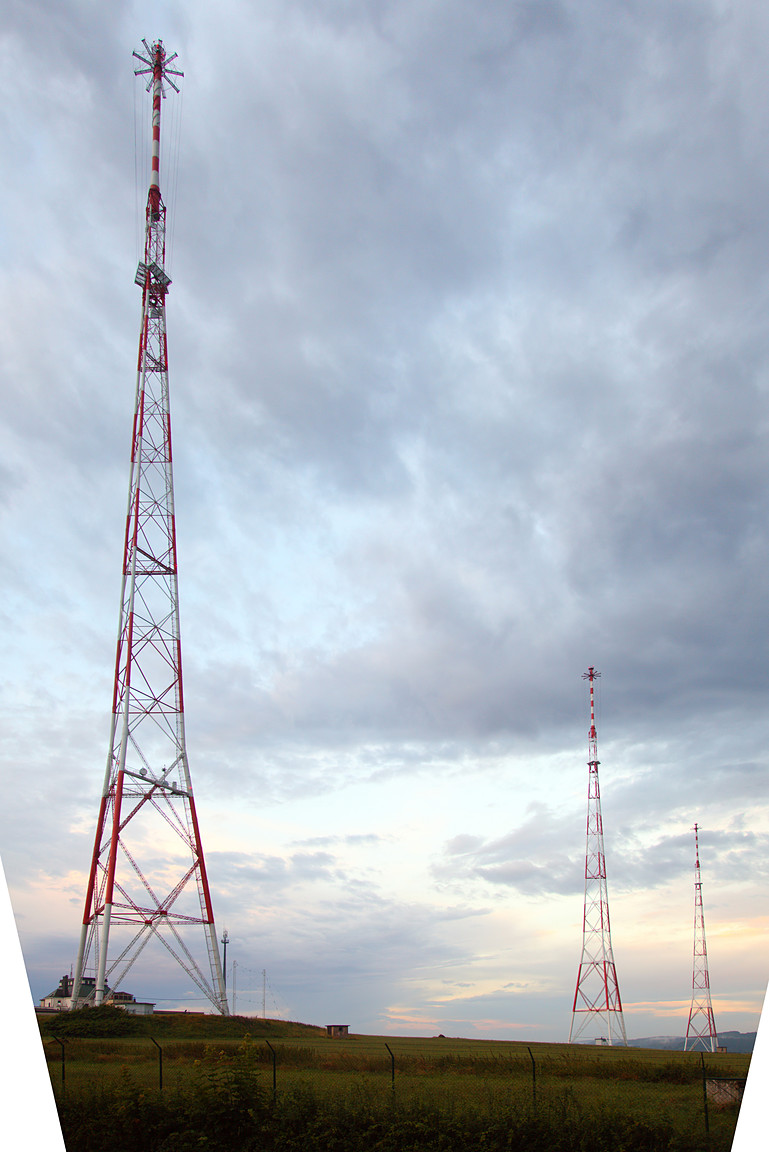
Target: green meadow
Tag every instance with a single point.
(242, 1083)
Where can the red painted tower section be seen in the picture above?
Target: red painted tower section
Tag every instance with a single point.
(597, 1007)
(701, 1028)
(148, 879)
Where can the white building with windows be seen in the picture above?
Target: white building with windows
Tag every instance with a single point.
(60, 1000)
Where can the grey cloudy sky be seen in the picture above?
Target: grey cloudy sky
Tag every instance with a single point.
(469, 359)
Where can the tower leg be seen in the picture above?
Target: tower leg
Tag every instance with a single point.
(77, 978)
(101, 972)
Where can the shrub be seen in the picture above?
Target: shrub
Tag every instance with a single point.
(106, 1020)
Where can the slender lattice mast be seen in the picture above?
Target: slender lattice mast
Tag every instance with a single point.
(148, 875)
(701, 1028)
(597, 1001)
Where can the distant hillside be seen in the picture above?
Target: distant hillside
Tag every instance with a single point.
(734, 1041)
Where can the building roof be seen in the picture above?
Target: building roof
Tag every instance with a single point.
(64, 991)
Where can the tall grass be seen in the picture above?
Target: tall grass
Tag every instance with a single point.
(229, 1111)
(221, 1098)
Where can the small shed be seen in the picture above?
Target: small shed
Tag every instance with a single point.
(338, 1029)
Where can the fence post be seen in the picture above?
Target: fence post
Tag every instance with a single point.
(533, 1078)
(63, 1069)
(705, 1092)
(160, 1064)
(274, 1071)
(392, 1067)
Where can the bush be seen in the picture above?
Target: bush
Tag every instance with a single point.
(106, 1020)
(224, 1107)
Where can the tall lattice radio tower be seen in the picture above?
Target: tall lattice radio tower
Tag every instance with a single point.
(597, 1003)
(148, 876)
(701, 1028)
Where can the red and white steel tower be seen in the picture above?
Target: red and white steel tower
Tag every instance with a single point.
(701, 1028)
(597, 1002)
(148, 876)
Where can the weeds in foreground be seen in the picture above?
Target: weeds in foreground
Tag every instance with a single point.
(226, 1105)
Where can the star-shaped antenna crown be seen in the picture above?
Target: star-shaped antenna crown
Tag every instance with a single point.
(156, 55)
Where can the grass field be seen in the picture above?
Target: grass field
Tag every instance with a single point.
(567, 1095)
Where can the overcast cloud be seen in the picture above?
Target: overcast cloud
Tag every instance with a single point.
(469, 363)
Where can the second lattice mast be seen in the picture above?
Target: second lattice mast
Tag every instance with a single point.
(148, 880)
(701, 1027)
(597, 1007)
